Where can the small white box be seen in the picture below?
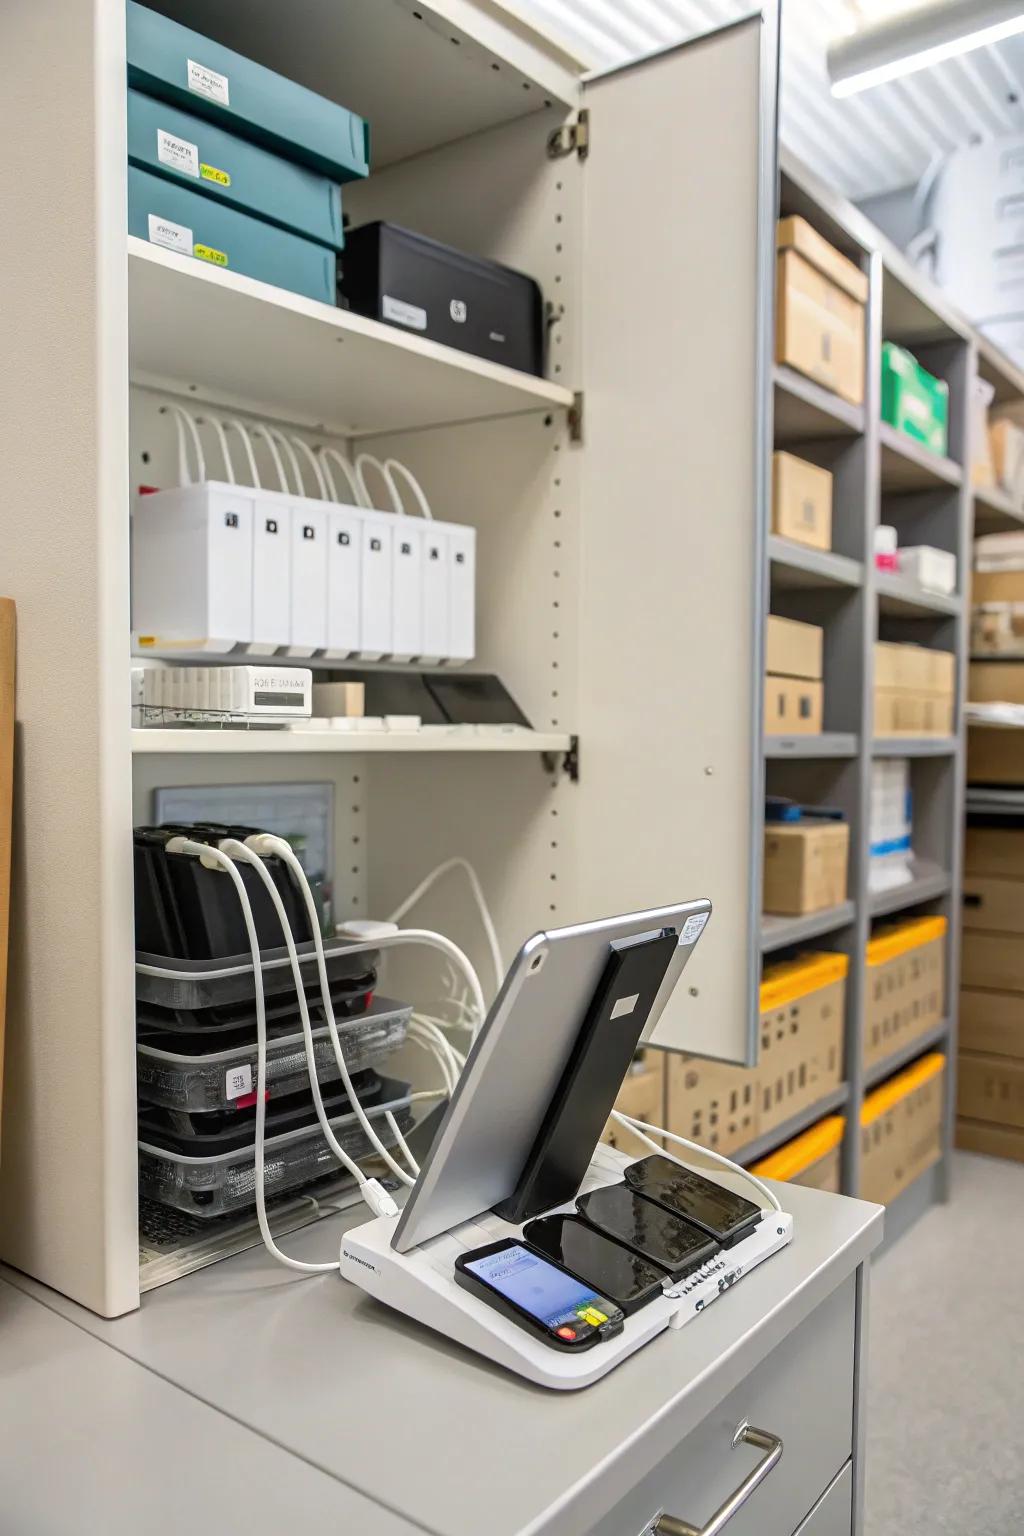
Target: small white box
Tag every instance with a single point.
(436, 596)
(934, 569)
(344, 582)
(256, 692)
(462, 594)
(192, 568)
(308, 633)
(377, 577)
(407, 589)
(271, 577)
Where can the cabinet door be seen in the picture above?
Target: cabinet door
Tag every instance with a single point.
(680, 200)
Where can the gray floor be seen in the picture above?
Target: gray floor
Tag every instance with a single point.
(946, 1392)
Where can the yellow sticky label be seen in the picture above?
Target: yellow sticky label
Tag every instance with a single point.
(207, 253)
(211, 173)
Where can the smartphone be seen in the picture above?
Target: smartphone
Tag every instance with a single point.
(624, 1277)
(676, 1245)
(541, 1297)
(718, 1211)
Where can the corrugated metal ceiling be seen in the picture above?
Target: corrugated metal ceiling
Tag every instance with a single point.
(862, 145)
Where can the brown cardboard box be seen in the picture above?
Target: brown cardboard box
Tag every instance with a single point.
(992, 1022)
(990, 1088)
(1006, 445)
(337, 699)
(793, 649)
(792, 706)
(992, 1140)
(900, 1143)
(805, 866)
(994, 756)
(996, 682)
(796, 234)
(899, 712)
(997, 629)
(993, 906)
(993, 851)
(904, 984)
(712, 1103)
(819, 329)
(642, 1095)
(801, 501)
(914, 667)
(914, 690)
(992, 960)
(997, 587)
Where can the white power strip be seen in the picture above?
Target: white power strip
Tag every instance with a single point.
(217, 566)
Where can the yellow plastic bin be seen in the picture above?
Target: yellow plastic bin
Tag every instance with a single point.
(813, 1159)
(901, 1129)
(802, 1012)
(905, 984)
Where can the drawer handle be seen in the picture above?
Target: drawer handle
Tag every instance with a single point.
(746, 1434)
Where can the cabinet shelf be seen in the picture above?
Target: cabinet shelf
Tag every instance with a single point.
(906, 466)
(797, 565)
(280, 353)
(170, 742)
(899, 597)
(761, 1146)
(914, 746)
(825, 744)
(804, 411)
(907, 1053)
(778, 932)
(929, 881)
(994, 512)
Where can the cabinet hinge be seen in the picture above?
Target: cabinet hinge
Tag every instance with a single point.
(575, 418)
(571, 137)
(570, 761)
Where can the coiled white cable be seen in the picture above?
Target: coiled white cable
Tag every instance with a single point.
(367, 461)
(393, 467)
(327, 456)
(184, 421)
(289, 453)
(481, 901)
(314, 462)
(218, 427)
(243, 432)
(639, 1127)
(259, 430)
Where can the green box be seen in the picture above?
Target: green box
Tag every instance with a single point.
(199, 155)
(185, 221)
(192, 71)
(914, 401)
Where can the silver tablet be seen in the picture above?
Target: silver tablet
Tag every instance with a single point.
(517, 1061)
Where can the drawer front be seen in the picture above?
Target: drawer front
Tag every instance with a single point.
(802, 1393)
(833, 1513)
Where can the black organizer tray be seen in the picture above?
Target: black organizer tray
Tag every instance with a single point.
(206, 994)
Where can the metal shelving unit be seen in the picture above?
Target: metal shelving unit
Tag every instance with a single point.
(761, 1146)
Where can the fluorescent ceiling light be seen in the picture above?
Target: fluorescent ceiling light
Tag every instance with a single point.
(919, 38)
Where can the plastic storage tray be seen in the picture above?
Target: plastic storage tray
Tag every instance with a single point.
(223, 990)
(905, 984)
(214, 1185)
(217, 1079)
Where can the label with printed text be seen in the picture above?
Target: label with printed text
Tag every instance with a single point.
(176, 237)
(179, 154)
(208, 83)
(238, 1081)
(693, 927)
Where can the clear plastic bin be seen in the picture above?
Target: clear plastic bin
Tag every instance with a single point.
(218, 1079)
(213, 1186)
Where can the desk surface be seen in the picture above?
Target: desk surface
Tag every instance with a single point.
(416, 1432)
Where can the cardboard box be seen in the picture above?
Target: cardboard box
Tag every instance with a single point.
(914, 690)
(801, 501)
(993, 906)
(792, 706)
(642, 1095)
(793, 649)
(992, 1140)
(992, 1023)
(993, 851)
(332, 700)
(813, 1160)
(802, 1014)
(1006, 446)
(712, 1103)
(915, 667)
(796, 234)
(901, 1129)
(994, 756)
(805, 866)
(904, 985)
(914, 401)
(996, 682)
(820, 298)
(997, 629)
(982, 466)
(992, 960)
(901, 713)
(997, 587)
(990, 1088)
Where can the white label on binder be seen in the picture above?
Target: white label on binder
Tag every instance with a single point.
(179, 154)
(693, 928)
(238, 1081)
(207, 82)
(402, 313)
(176, 237)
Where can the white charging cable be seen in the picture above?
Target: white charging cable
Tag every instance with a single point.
(264, 843)
(238, 851)
(367, 461)
(393, 467)
(639, 1127)
(329, 456)
(222, 439)
(314, 462)
(259, 430)
(474, 881)
(250, 457)
(289, 453)
(184, 421)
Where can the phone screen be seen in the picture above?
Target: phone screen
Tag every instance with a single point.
(648, 1228)
(623, 1276)
(530, 1282)
(713, 1207)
